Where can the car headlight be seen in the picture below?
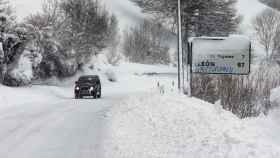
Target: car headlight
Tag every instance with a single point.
(91, 88)
(77, 88)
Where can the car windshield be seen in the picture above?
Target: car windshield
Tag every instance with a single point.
(88, 79)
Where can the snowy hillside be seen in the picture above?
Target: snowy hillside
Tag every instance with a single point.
(248, 9)
(127, 13)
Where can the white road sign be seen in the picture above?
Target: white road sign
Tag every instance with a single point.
(221, 55)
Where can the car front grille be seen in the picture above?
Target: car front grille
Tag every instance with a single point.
(84, 88)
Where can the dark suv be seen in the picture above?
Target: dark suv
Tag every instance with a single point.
(88, 86)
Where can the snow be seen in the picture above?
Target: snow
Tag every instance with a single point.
(131, 120)
(249, 9)
(128, 14)
(11, 97)
(1, 53)
(172, 126)
(275, 96)
(26, 7)
(128, 76)
(23, 71)
(233, 42)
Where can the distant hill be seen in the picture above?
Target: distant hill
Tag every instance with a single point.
(271, 3)
(249, 9)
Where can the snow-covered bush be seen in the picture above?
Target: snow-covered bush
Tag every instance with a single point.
(67, 67)
(113, 56)
(21, 73)
(245, 96)
(111, 76)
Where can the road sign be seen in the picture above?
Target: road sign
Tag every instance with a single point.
(221, 55)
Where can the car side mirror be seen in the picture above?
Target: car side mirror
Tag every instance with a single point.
(76, 82)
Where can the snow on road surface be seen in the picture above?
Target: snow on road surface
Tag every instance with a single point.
(131, 120)
(69, 129)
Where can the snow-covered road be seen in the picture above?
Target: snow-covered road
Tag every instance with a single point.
(46, 122)
(66, 128)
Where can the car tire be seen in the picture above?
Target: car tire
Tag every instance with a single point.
(77, 96)
(94, 96)
(99, 95)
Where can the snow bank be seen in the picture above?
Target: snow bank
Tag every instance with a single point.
(177, 127)
(35, 95)
(23, 72)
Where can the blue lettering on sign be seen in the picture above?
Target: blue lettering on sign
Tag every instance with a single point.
(213, 69)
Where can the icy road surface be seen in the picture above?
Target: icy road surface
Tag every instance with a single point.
(68, 128)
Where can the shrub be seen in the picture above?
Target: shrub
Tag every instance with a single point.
(245, 96)
(111, 76)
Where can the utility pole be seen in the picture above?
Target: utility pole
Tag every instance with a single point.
(180, 50)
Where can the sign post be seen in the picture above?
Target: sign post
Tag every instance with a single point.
(180, 49)
(220, 55)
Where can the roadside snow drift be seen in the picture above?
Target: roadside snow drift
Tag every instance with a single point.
(173, 126)
(32, 95)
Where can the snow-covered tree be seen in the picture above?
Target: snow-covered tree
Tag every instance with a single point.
(68, 33)
(113, 54)
(6, 21)
(267, 27)
(87, 24)
(7, 17)
(147, 43)
(199, 17)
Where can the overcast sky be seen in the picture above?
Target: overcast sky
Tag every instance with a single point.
(127, 13)
(26, 7)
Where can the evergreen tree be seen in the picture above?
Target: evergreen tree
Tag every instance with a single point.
(272, 3)
(199, 17)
